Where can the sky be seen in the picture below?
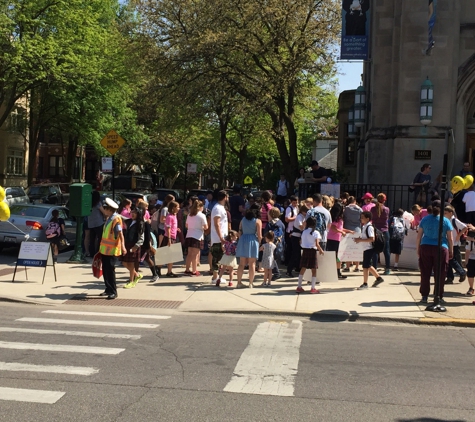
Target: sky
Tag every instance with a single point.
(349, 75)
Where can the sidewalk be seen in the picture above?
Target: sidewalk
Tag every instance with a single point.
(396, 299)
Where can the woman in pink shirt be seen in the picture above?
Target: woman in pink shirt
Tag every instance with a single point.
(419, 213)
(335, 233)
(368, 202)
(171, 230)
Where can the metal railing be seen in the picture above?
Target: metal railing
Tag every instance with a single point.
(398, 196)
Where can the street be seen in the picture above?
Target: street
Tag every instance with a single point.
(118, 365)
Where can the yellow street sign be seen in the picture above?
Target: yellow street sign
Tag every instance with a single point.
(112, 142)
(248, 181)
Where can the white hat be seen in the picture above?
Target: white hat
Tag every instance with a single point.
(110, 203)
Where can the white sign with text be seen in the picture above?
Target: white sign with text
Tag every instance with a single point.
(349, 250)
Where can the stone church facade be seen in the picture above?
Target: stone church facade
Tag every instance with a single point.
(391, 146)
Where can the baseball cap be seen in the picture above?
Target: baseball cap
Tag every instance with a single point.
(367, 195)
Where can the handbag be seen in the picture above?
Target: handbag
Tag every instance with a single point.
(97, 265)
(63, 242)
(411, 188)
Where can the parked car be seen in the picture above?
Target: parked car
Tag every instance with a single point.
(198, 192)
(46, 194)
(31, 220)
(133, 196)
(16, 195)
(162, 192)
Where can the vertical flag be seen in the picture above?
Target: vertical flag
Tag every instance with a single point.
(432, 19)
(355, 30)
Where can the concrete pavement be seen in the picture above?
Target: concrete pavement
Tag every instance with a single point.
(396, 299)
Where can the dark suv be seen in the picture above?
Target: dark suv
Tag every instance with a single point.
(46, 194)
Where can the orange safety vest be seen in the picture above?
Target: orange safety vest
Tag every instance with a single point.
(111, 246)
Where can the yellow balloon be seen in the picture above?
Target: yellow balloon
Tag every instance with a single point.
(457, 184)
(2, 194)
(4, 211)
(468, 181)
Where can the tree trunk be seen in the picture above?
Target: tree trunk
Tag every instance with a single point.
(242, 161)
(71, 158)
(223, 130)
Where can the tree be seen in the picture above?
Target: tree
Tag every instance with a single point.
(269, 51)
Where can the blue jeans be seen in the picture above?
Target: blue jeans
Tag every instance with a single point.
(387, 254)
(454, 264)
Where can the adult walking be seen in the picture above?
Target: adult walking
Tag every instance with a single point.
(236, 207)
(421, 185)
(134, 239)
(196, 225)
(112, 245)
(247, 251)
(380, 219)
(352, 221)
(95, 222)
(428, 251)
(219, 230)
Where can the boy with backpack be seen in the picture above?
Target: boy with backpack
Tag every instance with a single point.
(397, 231)
(372, 242)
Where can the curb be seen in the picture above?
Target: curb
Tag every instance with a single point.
(345, 317)
(25, 301)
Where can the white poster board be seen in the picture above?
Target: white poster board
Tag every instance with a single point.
(330, 189)
(326, 272)
(107, 164)
(35, 254)
(349, 250)
(169, 254)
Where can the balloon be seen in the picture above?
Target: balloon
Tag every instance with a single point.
(457, 184)
(2, 194)
(4, 211)
(468, 181)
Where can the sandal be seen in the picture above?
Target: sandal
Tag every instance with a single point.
(470, 292)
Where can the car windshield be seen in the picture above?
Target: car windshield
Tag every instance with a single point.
(39, 190)
(38, 212)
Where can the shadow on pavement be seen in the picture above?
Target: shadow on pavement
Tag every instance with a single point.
(333, 315)
(430, 420)
(386, 303)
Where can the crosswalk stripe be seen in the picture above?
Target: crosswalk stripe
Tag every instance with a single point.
(32, 396)
(105, 314)
(60, 348)
(56, 369)
(269, 363)
(70, 333)
(98, 323)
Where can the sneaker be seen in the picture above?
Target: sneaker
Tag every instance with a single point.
(289, 274)
(442, 301)
(172, 275)
(356, 270)
(153, 279)
(314, 291)
(129, 285)
(342, 277)
(387, 272)
(196, 274)
(462, 278)
(449, 281)
(300, 290)
(395, 269)
(189, 273)
(346, 270)
(424, 300)
(230, 284)
(378, 281)
(364, 286)
(218, 282)
(137, 279)
(470, 292)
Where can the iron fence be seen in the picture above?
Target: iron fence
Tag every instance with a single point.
(398, 196)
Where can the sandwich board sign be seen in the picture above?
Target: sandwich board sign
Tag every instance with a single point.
(35, 254)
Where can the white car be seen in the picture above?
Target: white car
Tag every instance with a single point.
(16, 195)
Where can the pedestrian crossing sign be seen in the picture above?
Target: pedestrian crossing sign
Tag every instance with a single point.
(248, 181)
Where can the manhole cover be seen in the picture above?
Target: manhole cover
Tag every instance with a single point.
(131, 303)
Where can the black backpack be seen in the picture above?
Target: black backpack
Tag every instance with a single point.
(379, 241)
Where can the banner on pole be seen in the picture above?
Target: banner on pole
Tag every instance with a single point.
(355, 30)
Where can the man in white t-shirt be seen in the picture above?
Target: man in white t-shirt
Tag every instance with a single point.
(282, 189)
(219, 230)
(469, 201)
(318, 208)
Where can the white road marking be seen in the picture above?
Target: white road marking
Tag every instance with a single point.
(98, 323)
(269, 363)
(55, 369)
(69, 333)
(60, 348)
(32, 396)
(105, 314)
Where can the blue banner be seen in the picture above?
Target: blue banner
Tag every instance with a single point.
(432, 19)
(31, 263)
(355, 30)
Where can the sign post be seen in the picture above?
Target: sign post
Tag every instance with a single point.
(35, 254)
(112, 142)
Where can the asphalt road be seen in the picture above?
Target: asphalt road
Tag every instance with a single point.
(179, 369)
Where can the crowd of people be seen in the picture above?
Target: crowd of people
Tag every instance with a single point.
(238, 233)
